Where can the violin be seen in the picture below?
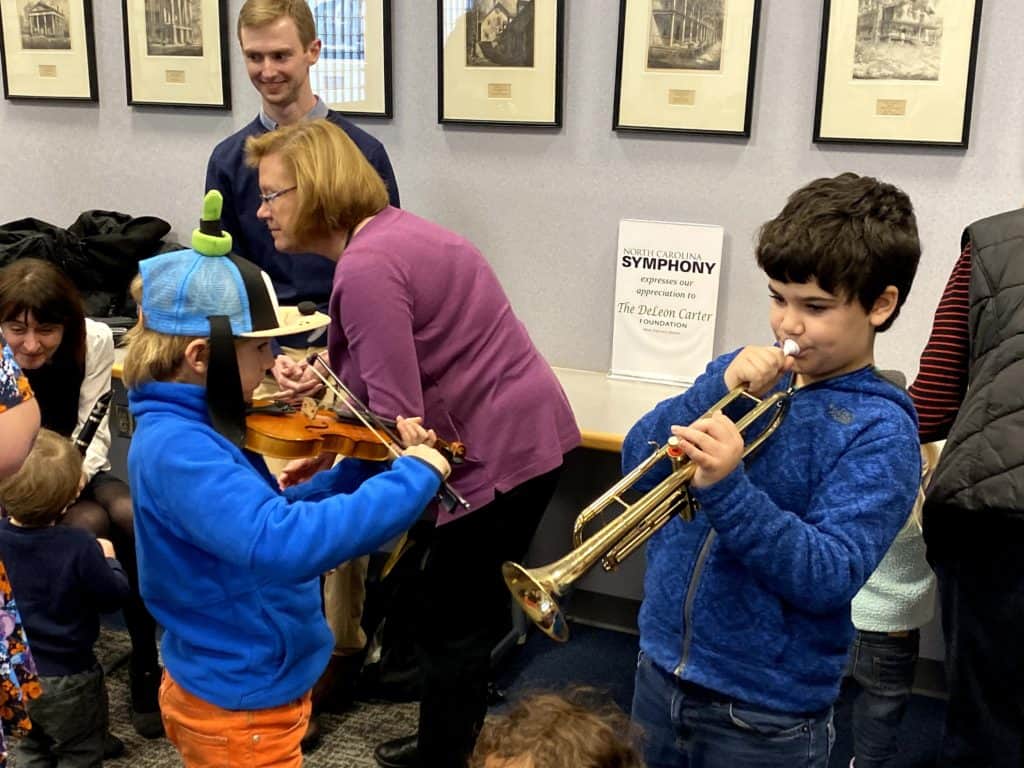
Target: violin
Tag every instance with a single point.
(282, 431)
(380, 428)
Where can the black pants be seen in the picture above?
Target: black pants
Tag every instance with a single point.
(69, 722)
(983, 621)
(105, 510)
(464, 611)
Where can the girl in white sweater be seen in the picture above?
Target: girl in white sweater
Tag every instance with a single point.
(888, 613)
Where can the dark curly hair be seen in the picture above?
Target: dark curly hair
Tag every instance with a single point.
(547, 730)
(854, 234)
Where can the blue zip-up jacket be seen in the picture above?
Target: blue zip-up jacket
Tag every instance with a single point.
(752, 599)
(229, 565)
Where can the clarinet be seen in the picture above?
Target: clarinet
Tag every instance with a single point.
(93, 422)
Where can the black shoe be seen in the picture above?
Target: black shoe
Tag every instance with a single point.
(149, 725)
(495, 695)
(335, 691)
(145, 705)
(398, 753)
(311, 739)
(112, 746)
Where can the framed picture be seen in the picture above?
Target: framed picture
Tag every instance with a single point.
(47, 50)
(686, 66)
(897, 71)
(499, 62)
(353, 75)
(175, 53)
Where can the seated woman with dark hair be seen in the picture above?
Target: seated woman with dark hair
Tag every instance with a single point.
(67, 359)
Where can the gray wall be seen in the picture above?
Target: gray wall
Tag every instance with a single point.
(544, 204)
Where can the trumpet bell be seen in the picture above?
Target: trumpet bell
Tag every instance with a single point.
(536, 589)
(536, 601)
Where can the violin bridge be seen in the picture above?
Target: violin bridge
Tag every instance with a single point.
(309, 408)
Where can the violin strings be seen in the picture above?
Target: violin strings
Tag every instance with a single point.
(349, 398)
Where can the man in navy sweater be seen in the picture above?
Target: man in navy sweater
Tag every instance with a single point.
(278, 41)
(279, 44)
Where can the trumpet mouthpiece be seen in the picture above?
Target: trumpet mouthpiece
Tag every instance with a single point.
(790, 348)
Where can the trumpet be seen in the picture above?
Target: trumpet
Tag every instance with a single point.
(535, 589)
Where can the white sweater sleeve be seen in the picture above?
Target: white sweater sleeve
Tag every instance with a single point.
(99, 360)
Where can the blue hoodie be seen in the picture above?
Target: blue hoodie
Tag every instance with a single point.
(752, 598)
(230, 566)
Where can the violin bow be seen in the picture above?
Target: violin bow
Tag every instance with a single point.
(448, 496)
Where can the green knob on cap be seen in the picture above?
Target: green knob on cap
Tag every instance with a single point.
(209, 239)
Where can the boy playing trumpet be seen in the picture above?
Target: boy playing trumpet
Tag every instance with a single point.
(745, 624)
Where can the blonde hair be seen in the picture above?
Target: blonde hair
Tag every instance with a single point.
(259, 13)
(47, 482)
(930, 453)
(558, 731)
(151, 356)
(336, 185)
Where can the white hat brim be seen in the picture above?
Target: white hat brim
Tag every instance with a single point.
(290, 322)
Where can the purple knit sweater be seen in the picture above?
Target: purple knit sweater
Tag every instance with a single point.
(421, 327)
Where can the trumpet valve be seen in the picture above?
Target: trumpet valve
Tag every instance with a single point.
(674, 448)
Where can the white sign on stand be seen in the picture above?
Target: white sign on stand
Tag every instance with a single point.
(666, 299)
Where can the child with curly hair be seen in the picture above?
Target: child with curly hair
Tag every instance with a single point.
(550, 730)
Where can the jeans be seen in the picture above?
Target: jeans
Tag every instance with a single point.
(69, 722)
(883, 667)
(681, 725)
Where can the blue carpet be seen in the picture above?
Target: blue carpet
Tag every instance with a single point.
(605, 660)
(595, 658)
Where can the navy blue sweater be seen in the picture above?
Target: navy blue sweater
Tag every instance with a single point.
(62, 583)
(752, 598)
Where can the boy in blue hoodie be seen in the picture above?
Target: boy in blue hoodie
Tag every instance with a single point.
(229, 564)
(745, 625)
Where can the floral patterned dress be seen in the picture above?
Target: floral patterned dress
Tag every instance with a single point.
(14, 388)
(18, 680)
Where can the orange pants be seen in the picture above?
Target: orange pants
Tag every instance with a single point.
(210, 737)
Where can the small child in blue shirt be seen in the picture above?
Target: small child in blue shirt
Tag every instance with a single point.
(64, 578)
(229, 564)
(745, 624)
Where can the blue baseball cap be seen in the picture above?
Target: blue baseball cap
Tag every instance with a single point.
(206, 291)
(182, 290)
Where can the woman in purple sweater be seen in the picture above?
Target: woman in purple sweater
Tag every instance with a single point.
(420, 326)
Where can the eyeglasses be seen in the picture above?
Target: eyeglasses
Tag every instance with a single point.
(268, 199)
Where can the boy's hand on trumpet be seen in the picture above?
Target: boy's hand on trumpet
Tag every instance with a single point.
(757, 369)
(714, 445)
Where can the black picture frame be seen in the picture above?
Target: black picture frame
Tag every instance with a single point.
(56, 63)
(353, 75)
(500, 71)
(686, 67)
(912, 77)
(176, 61)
